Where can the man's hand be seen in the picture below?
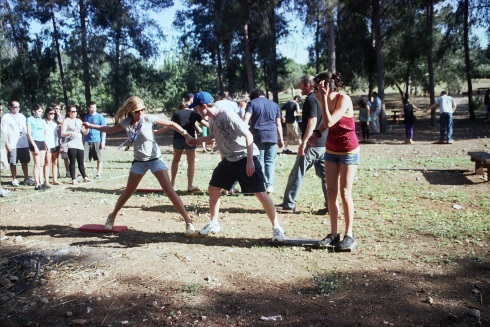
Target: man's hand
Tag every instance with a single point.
(190, 140)
(250, 168)
(301, 149)
(312, 139)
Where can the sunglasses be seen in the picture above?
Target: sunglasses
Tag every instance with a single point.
(50, 113)
(139, 111)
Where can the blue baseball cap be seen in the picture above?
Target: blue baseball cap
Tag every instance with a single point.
(201, 98)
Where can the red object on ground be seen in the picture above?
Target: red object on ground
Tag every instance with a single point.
(150, 190)
(97, 228)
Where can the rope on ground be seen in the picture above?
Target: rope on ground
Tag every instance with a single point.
(25, 288)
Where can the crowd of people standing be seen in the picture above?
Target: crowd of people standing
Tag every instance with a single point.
(248, 136)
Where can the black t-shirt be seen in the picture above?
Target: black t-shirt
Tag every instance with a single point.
(187, 119)
(291, 106)
(311, 108)
(408, 116)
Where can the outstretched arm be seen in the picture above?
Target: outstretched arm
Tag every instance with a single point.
(103, 129)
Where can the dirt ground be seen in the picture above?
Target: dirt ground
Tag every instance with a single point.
(151, 275)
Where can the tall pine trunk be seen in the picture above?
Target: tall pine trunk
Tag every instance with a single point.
(332, 67)
(467, 60)
(430, 61)
(376, 22)
(248, 58)
(273, 54)
(58, 55)
(85, 64)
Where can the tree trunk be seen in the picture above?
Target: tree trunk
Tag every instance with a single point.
(317, 43)
(331, 41)
(85, 64)
(467, 60)
(117, 70)
(248, 58)
(220, 71)
(430, 62)
(58, 55)
(376, 22)
(273, 54)
(408, 81)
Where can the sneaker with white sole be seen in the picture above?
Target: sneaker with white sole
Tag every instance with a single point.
(4, 192)
(29, 181)
(277, 234)
(210, 228)
(109, 223)
(15, 182)
(189, 229)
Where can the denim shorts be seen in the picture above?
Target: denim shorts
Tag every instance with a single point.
(141, 167)
(346, 159)
(179, 144)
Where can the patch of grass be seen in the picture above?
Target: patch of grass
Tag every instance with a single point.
(191, 289)
(326, 282)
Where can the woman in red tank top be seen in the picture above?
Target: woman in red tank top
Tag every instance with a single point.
(341, 157)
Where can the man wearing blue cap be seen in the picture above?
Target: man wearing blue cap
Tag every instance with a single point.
(240, 161)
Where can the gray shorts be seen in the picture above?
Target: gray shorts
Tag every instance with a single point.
(92, 151)
(21, 155)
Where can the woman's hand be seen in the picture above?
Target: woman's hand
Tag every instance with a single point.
(321, 89)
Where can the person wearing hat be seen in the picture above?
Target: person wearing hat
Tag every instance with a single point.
(240, 161)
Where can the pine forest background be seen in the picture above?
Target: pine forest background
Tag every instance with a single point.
(107, 50)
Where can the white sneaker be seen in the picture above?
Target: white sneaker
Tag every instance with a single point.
(210, 228)
(29, 181)
(4, 192)
(15, 182)
(270, 189)
(189, 230)
(109, 223)
(277, 234)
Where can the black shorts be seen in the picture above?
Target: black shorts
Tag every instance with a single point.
(55, 149)
(40, 145)
(227, 173)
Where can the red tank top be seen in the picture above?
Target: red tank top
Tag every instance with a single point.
(342, 138)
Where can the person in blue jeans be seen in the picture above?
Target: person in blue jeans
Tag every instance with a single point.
(309, 155)
(264, 116)
(447, 106)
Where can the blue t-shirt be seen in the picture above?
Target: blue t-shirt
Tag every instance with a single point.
(263, 120)
(93, 134)
(376, 106)
(37, 128)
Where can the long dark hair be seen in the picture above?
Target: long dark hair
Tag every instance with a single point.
(333, 80)
(47, 111)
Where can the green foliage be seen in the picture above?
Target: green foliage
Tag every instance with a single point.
(191, 289)
(326, 282)
(122, 48)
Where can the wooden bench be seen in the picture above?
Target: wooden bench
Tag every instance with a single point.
(482, 90)
(482, 161)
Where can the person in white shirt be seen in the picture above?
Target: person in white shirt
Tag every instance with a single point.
(14, 129)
